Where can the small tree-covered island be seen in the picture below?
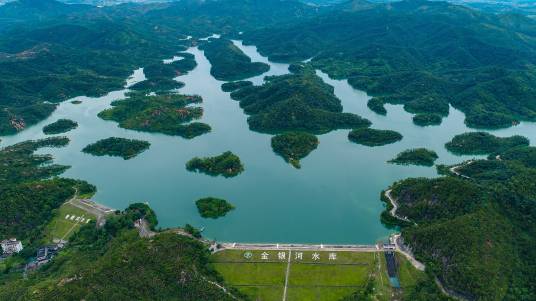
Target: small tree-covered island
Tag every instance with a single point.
(416, 156)
(229, 63)
(482, 143)
(60, 126)
(170, 114)
(226, 164)
(294, 146)
(373, 137)
(427, 119)
(213, 207)
(157, 84)
(117, 147)
(232, 86)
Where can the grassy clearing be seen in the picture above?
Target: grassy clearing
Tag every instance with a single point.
(312, 277)
(60, 227)
(329, 275)
(252, 273)
(259, 293)
(261, 274)
(317, 293)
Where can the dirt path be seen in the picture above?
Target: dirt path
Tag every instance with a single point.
(287, 273)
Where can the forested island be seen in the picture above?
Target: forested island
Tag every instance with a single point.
(169, 114)
(232, 86)
(171, 70)
(60, 126)
(229, 63)
(482, 143)
(226, 164)
(295, 102)
(157, 85)
(377, 105)
(213, 207)
(294, 146)
(373, 137)
(416, 156)
(427, 119)
(117, 147)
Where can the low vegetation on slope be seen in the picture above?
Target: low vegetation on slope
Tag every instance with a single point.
(117, 147)
(481, 143)
(170, 114)
(295, 102)
(294, 146)
(229, 63)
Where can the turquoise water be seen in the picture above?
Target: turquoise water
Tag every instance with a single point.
(334, 198)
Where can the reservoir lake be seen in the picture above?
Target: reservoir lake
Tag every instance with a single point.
(333, 198)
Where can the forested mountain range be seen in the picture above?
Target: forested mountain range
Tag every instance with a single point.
(424, 55)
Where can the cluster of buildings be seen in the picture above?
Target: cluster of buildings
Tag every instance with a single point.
(44, 255)
(10, 247)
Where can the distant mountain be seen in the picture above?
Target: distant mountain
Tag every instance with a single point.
(37, 9)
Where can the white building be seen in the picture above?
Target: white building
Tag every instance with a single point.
(10, 246)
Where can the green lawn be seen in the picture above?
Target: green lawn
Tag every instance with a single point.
(328, 275)
(312, 277)
(252, 273)
(259, 293)
(60, 227)
(317, 293)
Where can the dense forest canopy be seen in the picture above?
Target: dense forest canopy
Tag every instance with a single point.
(295, 102)
(117, 147)
(229, 63)
(30, 190)
(475, 233)
(425, 55)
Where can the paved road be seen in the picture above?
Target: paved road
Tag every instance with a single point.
(299, 247)
(396, 237)
(454, 169)
(407, 253)
(395, 207)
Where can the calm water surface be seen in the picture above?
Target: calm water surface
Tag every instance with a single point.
(333, 198)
